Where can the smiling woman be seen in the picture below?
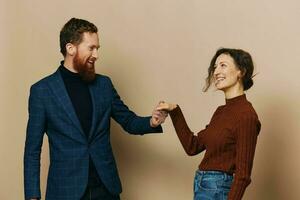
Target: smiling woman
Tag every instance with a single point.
(230, 137)
(231, 71)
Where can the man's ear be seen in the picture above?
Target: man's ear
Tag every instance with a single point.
(71, 49)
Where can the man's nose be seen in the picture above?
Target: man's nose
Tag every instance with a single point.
(95, 53)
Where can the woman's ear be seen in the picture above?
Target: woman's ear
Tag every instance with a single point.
(242, 73)
(71, 49)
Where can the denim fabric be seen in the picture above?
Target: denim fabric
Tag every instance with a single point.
(212, 185)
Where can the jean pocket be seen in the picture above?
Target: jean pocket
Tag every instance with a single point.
(208, 183)
(225, 184)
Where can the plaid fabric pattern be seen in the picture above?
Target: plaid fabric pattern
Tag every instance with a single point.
(51, 112)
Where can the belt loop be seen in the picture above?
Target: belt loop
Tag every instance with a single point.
(226, 177)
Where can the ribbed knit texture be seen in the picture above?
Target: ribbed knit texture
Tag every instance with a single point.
(229, 140)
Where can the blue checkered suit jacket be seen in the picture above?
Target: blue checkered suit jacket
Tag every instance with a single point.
(51, 112)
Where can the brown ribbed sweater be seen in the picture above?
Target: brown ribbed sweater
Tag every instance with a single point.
(229, 140)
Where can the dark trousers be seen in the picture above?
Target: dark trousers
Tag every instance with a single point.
(98, 193)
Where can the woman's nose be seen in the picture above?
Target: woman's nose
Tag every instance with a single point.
(216, 71)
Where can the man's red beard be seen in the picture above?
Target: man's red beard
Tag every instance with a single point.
(85, 69)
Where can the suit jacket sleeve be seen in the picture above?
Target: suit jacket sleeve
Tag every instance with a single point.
(129, 121)
(34, 139)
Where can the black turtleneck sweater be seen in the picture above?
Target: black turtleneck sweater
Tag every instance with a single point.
(78, 91)
(80, 96)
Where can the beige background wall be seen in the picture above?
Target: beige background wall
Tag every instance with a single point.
(154, 50)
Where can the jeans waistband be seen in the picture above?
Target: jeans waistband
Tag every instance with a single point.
(211, 172)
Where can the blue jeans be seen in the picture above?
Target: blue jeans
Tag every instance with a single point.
(212, 185)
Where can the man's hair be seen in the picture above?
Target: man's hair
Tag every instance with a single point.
(72, 32)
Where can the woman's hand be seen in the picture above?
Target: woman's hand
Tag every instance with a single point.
(158, 116)
(163, 106)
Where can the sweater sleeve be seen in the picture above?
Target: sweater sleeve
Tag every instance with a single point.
(247, 131)
(192, 144)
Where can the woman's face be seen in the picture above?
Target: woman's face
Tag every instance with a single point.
(226, 74)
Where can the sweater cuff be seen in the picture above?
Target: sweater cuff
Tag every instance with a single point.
(175, 113)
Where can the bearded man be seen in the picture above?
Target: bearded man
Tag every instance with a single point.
(73, 106)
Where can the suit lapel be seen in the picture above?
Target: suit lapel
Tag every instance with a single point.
(59, 90)
(94, 91)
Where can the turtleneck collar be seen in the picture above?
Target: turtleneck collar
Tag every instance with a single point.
(237, 99)
(67, 73)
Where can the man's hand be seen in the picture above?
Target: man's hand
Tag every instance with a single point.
(158, 117)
